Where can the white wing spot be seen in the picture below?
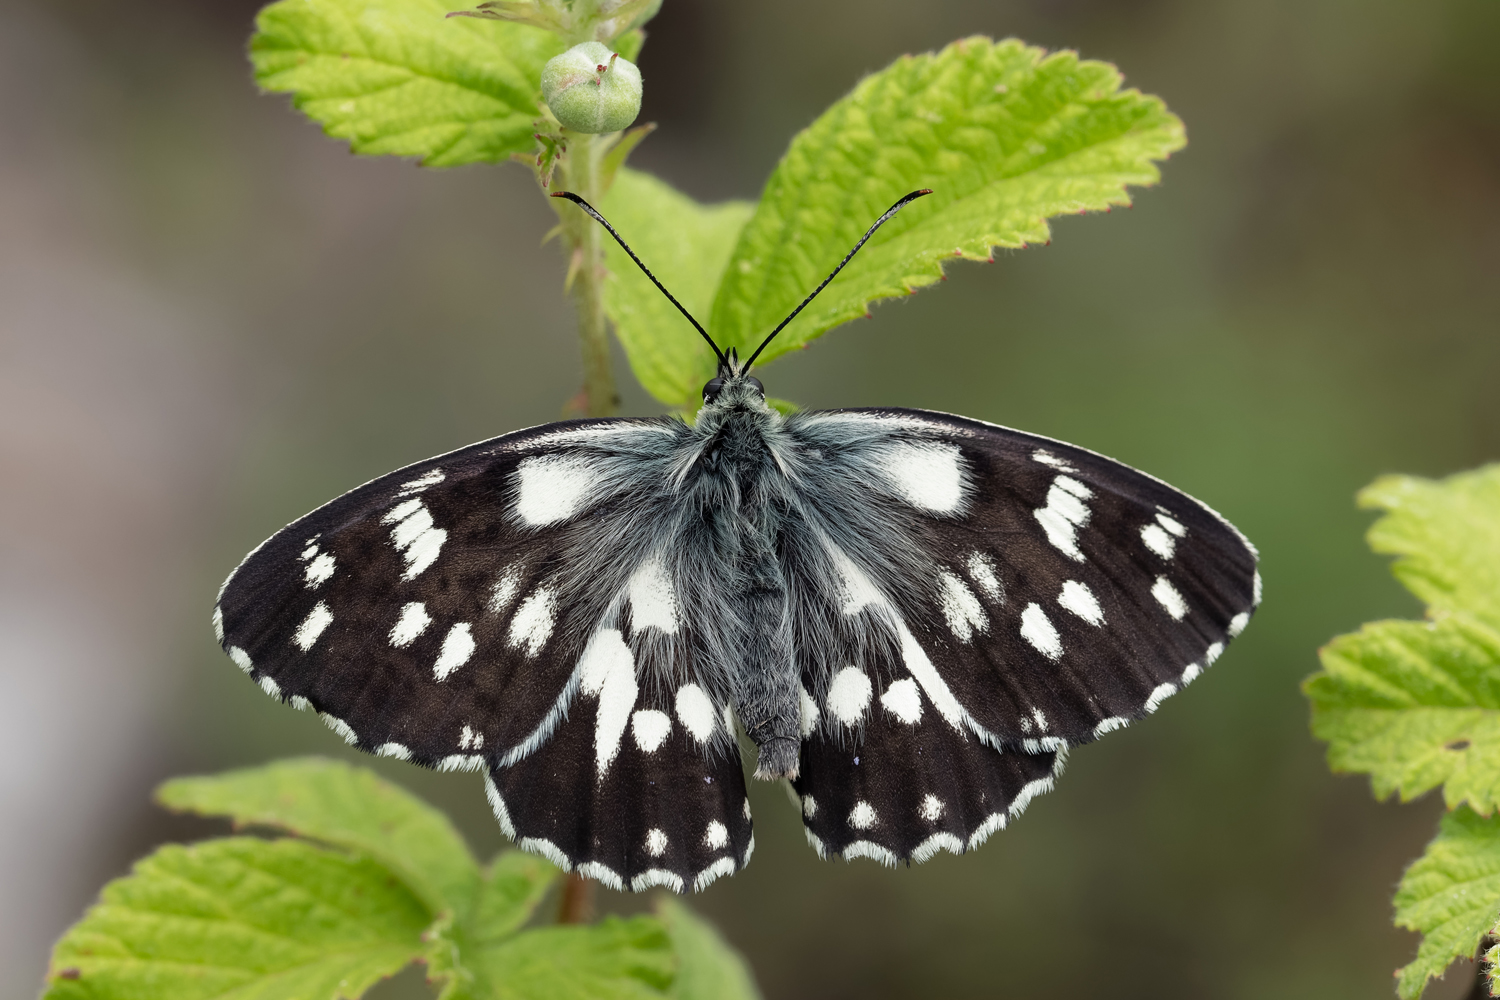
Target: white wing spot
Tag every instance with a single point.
(1110, 724)
(650, 728)
(430, 478)
(717, 835)
(863, 815)
(1237, 623)
(809, 806)
(414, 536)
(345, 731)
(462, 762)
(1171, 524)
(849, 695)
(1213, 653)
(395, 750)
(505, 589)
(937, 690)
(553, 488)
(696, 712)
(1064, 513)
(603, 874)
(904, 701)
(1036, 628)
(1158, 541)
(1041, 720)
(927, 475)
(932, 808)
(318, 619)
(1256, 595)
(1189, 674)
(241, 659)
(858, 590)
(656, 842)
(218, 624)
(653, 602)
(982, 571)
(270, 687)
(809, 711)
(300, 703)
(412, 623)
(318, 571)
(746, 809)
(1052, 461)
(1161, 694)
(607, 671)
(962, 609)
(458, 646)
(1079, 599)
(1167, 596)
(711, 874)
(532, 625)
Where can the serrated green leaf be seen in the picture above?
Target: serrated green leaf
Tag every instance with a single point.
(1451, 894)
(241, 918)
(708, 967)
(614, 959)
(1005, 135)
(1447, 533)
(399, 78)
(686, 246)
(1416, 705)
(347, 806)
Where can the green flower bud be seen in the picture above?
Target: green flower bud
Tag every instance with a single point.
(591, 89)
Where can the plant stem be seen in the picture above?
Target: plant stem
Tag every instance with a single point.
(577, 903)
(578, 171)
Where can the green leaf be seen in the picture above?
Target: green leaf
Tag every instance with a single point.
(614, 959)
(1005, 135)
(243, 918)
(346, 806)
(1447, 533)
(1416, 705)
(397, 77)
(513, 885)
(685, 245)
(708, 969)
(1451, 895)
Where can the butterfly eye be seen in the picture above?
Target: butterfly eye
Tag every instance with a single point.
(758, 387)
(712, 389)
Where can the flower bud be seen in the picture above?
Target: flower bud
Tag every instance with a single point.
(591, 89)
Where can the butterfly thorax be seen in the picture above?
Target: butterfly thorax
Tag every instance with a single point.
(740, 491)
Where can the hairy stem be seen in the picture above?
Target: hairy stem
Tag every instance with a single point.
(579, 171)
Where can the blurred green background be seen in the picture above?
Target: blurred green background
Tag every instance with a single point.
(212, 319)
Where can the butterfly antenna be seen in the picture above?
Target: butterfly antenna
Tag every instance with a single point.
(847, 257)
(605, 223)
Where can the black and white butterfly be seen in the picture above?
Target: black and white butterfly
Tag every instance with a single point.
(911, 615)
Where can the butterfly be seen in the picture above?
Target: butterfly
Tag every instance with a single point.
(911, 615)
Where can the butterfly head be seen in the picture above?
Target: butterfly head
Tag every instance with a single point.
(732, 387)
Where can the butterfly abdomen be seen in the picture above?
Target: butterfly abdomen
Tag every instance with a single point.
(739, 486)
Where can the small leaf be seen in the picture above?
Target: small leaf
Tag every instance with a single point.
(1416, 705)
(614, 959)
(513, 885)
(1451, 895)
(708, 968)
(1005, 136)
(346, 806)
(1447, 533)
(255, 919)
(397, 77)
(685, 245)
